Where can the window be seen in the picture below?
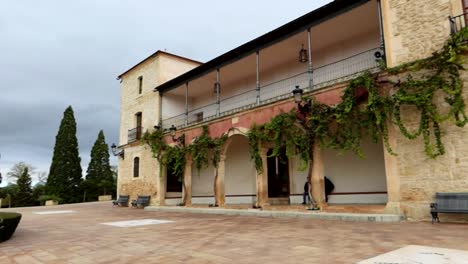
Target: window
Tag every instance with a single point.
(140, 84)
(136, 167)
(138, 119)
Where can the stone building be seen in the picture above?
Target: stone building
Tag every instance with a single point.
(320, 52)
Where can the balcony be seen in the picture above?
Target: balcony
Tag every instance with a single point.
(134, 134)
(320, 77)
(457, 23)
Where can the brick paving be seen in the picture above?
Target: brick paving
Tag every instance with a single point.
(80, 237)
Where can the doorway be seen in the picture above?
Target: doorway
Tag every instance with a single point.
(173, 181)
(278, 175)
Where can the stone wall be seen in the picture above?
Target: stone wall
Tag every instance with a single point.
(420, 176)
(415, 29)
(147, 183)
(155, 71)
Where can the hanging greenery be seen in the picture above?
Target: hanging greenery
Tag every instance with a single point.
(283, 133)
(175, 156)
(365, 111)
(203, 146)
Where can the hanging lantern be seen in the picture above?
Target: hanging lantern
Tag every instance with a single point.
(303, 56)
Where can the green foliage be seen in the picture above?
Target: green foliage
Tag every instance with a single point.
(38, 190)
(65, 171)
(24, 196)
(364, 111)
(284, 131)
(8, 224)
(43, 198)
(99, 179)
(203, 147)
(202, 150)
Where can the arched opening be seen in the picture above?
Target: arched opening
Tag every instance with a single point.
(240, 173)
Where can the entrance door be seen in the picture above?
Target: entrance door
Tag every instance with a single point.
(173, 181)
(278, 175)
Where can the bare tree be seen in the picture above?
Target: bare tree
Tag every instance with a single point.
(42, 177)
(17, 170)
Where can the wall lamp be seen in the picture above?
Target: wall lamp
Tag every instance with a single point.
(117, 152)
(302, 106)
(180, 139)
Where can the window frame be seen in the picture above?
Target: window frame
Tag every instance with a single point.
(136, 167)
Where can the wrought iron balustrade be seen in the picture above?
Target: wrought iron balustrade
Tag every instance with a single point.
(457, 23)
(320, 77)
(134, 134)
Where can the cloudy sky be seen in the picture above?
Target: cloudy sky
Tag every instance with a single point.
(55, 53)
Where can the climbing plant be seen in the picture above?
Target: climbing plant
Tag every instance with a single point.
(283, 133)
(202, 149)
(366, 109)
(204, 146)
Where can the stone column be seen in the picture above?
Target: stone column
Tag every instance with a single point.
(262, 180)
(219, 184)
(187, 195)
(162, 185)
(392, 174)
(318, 180)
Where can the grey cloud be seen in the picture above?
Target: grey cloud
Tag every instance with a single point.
(55, 53)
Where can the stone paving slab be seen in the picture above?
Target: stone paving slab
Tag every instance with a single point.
(421, 255)
(201, 238)
(293, 214)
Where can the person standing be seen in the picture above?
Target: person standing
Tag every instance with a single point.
(305, 196)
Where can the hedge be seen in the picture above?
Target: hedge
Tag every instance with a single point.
(8, 224)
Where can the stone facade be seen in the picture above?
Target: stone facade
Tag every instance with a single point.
(155, 70)
(412, 30)
(419, 176)
(415, 29)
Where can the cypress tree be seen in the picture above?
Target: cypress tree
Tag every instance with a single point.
(24, 196)
(65, 171)
(99, 178)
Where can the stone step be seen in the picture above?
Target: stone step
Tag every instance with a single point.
(262, 213)
(278, 201)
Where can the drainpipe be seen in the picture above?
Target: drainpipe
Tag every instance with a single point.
(186, 103)
(258, 76)
(160, 109)
(218, 84)
(382, 39)
(310, 70)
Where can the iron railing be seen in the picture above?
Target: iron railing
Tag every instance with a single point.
(320, 77)
(134, 134)
(457, 23)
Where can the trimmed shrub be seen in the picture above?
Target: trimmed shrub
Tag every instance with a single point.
(8, 224)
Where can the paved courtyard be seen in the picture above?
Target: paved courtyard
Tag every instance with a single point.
(78, 235)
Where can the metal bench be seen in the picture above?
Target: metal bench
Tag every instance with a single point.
(456, 203)
(122, 201)
(141, 201)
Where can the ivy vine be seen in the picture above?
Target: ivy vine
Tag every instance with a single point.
(174, 157)
(366, 111)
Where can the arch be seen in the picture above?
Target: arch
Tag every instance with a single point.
(242, 131)
(239, 171)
